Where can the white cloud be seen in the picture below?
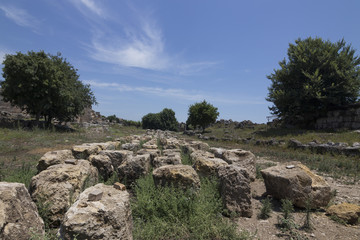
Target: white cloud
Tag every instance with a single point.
(20, 17)
(142, 48)
(89, 5)
(183, 94)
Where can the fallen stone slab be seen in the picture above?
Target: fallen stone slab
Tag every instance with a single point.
(106, 218)
(297, 184)
(350, 213)
(52, 158)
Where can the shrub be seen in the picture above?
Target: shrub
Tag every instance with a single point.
(171, 213)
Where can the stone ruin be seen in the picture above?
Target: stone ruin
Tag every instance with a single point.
(67, 184)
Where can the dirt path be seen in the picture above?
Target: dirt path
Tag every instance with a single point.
(325, 228)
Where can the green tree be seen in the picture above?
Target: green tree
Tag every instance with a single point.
(202, 114)
(44, 85)
(319, 76)
(164, 120)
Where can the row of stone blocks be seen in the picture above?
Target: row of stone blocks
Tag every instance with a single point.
(103, 212)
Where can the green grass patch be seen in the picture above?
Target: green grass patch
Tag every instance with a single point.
(171, 213)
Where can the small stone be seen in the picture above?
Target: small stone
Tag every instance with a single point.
(312, 235)
(95, 195)
(119, 186)
(290, 166)
(71, 161)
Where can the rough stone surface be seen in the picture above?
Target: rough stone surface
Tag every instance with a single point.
(59, 186)
(130, 146)
(85, 150)
(52, 158)
(178, 175)
(348, 212)
(241, 158)
(117, 157)
(19, 216)
(109, 218)
(297, 184)
(169, 158)
(208, 166)
(133, 168)
(235, 189)
(103, 164)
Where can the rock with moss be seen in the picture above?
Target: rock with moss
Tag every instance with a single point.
(294, 181)
(57, 187)
(19, 218)
(105, 216)
(182, 176)
(348, 212)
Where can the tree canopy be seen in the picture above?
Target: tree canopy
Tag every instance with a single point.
(44, 85)
(317, 77)
(202, 114)
(164, 120)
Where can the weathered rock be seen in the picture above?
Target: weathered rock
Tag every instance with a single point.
(130, 146)
(350, 213)
(133, 168)
(198, 145)
(117, 157)
(59, 186)
(235, 189)
(241, 158)
(19, 217)
(203, 154)
(177, 175)
(171, 143)
(297, 184)
(166, 160)
(208, 166)
(107, 218)
(218, 152)
(52, 158)
(85, 150)
(103, 164)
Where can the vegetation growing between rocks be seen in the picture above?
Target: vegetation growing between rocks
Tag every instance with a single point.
(170, 213)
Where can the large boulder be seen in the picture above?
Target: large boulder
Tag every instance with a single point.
(182, 176)
(19, 217)
(103, 164)
(235, 189)
(133, 168)
(296, 182)
(350, 213)
(52, 158)
(100, 212)
(58, 186)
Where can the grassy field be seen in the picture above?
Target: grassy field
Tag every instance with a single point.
(337, 166)
(21, 149)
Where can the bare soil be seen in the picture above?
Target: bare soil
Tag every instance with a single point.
(324, 227)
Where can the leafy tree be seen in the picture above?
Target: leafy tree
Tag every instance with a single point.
(202, 114)
(44, 85)
(113, 118)
(319, 76)
(164, 120)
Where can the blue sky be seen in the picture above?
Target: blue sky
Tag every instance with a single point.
(143, 56)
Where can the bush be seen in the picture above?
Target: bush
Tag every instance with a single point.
(164, 120)
(171, 213)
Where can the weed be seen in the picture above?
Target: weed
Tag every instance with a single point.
(265, 209)
(21, 174)
(308, 225)
(185, 157)
(286, 221)
(171, 213)
(338, 220)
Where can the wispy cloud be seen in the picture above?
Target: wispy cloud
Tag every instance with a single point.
(21, 17)
(89, 5)
(142, 47)
(183, 94)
